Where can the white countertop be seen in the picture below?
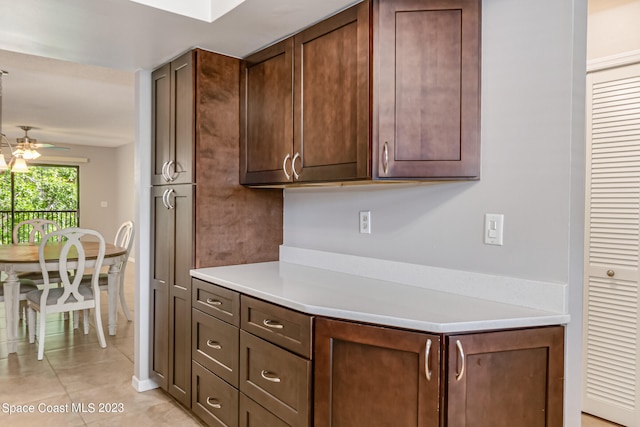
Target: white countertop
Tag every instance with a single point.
(347, 296)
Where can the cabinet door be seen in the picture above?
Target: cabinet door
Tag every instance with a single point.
(161, 240)
(180, 200)
(266, 127)
(428, 82)
(173, 122)
(374, 376)
(172, 249)
(505, 379)
(161, 122)
(331, 98)
(183, 119)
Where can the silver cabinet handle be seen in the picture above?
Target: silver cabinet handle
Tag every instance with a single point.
(385, 157)
(460, 373)
(270, 376)
(611, 273)
(214, 345)
(214, 403)
(164, 171)
(164, 198)
(169, 193)
(293, 166)
(427, 361)
(273, 324)
(171, 176)
(212, 301)
(284, 166)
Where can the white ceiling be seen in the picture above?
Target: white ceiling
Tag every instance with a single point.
(71, 63)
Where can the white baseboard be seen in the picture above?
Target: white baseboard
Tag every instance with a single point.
(144, 385)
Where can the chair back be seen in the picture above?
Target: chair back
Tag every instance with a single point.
(72, 262)
(124, 236)
(27, 231)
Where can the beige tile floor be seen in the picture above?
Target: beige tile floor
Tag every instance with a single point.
(76, 373)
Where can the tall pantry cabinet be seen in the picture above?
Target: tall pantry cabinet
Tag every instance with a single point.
(200, 215)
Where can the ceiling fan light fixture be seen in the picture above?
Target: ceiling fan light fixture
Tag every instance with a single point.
(19, 165)
(3, 163)
(30, 154)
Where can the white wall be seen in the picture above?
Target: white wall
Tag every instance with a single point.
(533, 86)
(125, 186)
(613, 27)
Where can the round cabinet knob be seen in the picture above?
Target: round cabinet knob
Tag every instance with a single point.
(611, 273)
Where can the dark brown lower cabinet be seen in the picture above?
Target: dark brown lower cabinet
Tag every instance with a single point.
(375, 376)
(506, 378)
(254, 415)
(368, 375)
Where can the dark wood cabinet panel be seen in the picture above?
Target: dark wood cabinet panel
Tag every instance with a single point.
(254, 415)
(369, 375)
(161, 122)
(385, 90)
(173, 118)
(216, 301)
(276, 379)
(428, 104)
(211, 219)
(172, 241)
(331, 97)
(266, 115)
(214, 401)
(506, 378)
(215, 346)
(282, 326)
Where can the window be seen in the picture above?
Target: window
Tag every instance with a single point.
(48, 192)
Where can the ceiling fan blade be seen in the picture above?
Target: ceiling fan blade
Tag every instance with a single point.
(55, 147)
(42, 145)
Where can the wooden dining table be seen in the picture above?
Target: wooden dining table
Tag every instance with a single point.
(23, 258)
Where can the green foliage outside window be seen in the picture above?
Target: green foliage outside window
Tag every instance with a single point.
(49, 192)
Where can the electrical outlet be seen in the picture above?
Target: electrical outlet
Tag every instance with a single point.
(365, 222)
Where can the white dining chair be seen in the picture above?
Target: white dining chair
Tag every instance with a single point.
(124, 239)
(72, 295)
(26, 286)
(29, 231)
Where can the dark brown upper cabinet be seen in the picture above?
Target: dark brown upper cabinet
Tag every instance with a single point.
(173, 117)
(385, 90)
(266, 126)
(427, 90)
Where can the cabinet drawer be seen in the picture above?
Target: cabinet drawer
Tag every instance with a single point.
(215, 346)
(216, 301)
(276, 379)
(213, 400)
(279, 325)
(254, 415)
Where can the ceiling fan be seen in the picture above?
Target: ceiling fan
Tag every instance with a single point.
(28, 146)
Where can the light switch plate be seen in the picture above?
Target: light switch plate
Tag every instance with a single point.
(493, 229)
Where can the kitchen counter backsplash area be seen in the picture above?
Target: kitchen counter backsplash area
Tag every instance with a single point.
(392, 293)
(528, 293)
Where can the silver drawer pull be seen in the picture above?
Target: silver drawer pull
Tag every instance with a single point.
(214, 344)
(212, 301)
(274, 324)
(427, 357)
(270, 376)
(460, 372)
(214, 403)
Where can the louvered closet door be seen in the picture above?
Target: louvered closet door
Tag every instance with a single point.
(611, 349)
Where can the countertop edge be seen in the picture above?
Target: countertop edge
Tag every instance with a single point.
(538, 318)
